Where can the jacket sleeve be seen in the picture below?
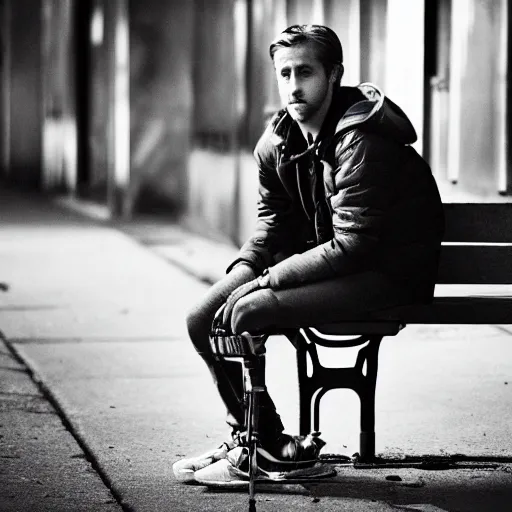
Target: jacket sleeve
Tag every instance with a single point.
(274, 209)
(360, 189)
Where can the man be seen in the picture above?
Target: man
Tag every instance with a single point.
(349, 222)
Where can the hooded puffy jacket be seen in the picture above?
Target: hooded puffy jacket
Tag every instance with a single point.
(359, 198)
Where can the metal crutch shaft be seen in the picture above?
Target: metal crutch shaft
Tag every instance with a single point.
(254, 384)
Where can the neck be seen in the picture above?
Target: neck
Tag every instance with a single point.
(314, 125)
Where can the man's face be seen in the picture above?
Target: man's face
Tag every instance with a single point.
(303, 84)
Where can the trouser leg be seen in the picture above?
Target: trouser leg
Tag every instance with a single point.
(227, 375)
(354, 297)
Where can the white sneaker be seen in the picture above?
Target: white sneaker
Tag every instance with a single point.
(184, 469)
(227, 473)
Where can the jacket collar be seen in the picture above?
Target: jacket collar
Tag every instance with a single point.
(343, 99)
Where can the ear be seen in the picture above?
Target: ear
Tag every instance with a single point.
(336, 73)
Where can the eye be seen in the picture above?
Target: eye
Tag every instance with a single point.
(285, 74)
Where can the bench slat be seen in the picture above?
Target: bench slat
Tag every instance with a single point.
(360, 328)
(469, 291)
(453, 304)
(475, 264)
(452, 311)
(478, 222)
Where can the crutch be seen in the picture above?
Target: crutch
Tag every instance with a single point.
(251, 350)
(254, 385)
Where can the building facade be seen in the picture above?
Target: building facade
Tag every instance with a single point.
(156, 105)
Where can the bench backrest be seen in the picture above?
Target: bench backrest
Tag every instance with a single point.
(477, 247)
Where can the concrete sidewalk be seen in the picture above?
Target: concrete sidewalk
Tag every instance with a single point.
(97, 366)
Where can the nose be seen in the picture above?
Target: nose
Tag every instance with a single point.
(294, 85)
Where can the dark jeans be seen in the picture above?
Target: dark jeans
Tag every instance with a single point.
(351, 297)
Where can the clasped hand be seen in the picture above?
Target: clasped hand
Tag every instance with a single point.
(238, 293)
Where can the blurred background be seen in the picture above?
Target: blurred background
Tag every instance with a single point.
(154, 106)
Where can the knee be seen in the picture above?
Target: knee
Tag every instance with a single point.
(198, 327)
(254, 312)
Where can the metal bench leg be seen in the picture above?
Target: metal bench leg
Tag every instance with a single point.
(305, 394)
(316, 409)
(361, 378)
(308, 386)
(366, 394)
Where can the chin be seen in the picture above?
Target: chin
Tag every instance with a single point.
(296, 116)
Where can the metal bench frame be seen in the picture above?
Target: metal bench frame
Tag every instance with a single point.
(361, 378)
(476, 253)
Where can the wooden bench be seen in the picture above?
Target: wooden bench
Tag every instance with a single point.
(474, 287)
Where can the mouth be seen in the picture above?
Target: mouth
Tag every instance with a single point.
(297, 102)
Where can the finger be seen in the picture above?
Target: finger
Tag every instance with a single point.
(230, 304)
(232, 300)
(219, 315)
(236, 295)
(227, 312)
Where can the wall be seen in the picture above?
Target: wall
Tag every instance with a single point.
(373, 41)
(59, 139)
(234, 91)
(219, 108)
(405, 41)
(25, 93)
(343, 16)
(437, 98)
(94, 180)
(5, 90)
(477, 89)
(202, 87)
(161, 63)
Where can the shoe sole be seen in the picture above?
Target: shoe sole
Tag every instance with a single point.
(271, 464)
(184, 476)
(292, 477)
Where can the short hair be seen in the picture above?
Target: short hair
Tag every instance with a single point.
(328, 45)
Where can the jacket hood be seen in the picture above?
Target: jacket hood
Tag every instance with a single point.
(378, 113)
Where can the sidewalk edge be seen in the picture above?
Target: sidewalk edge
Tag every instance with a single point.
(54, 401)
